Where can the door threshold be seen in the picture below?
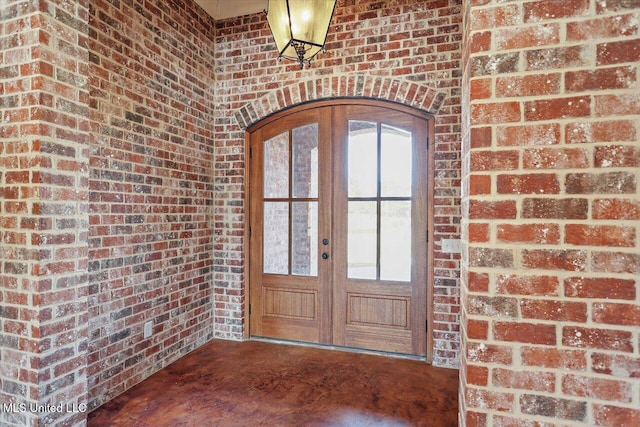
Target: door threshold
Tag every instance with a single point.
(339, 348)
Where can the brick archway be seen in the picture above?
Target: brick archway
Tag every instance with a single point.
(413, 94)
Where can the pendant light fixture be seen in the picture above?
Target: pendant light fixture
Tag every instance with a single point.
(300, 27)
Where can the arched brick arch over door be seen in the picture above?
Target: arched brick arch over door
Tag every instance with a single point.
(413, 94)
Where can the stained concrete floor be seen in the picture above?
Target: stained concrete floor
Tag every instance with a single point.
(225, 383)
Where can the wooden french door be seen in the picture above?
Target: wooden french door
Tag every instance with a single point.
(339, 206)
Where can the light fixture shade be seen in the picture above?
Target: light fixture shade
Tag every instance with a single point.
(300, 27)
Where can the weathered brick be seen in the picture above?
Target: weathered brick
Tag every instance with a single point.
(605, 339)
(478, 329)
(478, 233)
(485, 257)
(498, 401)
(481, 88)
(554, 407)
(561, 311)
(530, 134)
(616, 314)
(479, 184)
(621, 366)
(492, 210)
(616, 209)
(528, 184)
(602, 79)
(151, 182)
(555, 158)
(617, 156)
(600, 288)
(617, 105)
(527, 285)
(532, 333)
(489, 353)
(598, 388)
(480, 42)
(525, 37)
(602, 235)
(504, 15)
(601, 131)
(482, 160)
(532, 85)
(545, 208)
(611, 415)
(558, 108)
(475, 419)
(554, 9)
(497, 112)
(477, 375)
(557, 58)
(604, 27)
(481, 137)
(618, 52)
(577, 108)
(553, 358)
(525, 380)
(478, 282)
(554, 259)
(492, 306)
(616, 262)
(603, 183)
(544, 234)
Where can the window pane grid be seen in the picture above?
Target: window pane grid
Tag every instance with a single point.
(291, 191)
(384, 226)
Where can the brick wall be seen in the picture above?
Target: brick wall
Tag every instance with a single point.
(43, 211)
(151, 192)
(123, 193)
(404, 51)
(111, 215)
(551, 288)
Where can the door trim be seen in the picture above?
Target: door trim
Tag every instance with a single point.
(279, 115)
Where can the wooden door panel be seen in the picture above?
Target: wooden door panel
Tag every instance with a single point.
(290, 297)
(290, 329)
(378, 310)
(290, 303)
(378, 338)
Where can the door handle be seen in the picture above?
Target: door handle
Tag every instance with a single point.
(325, 242)
(325, 256)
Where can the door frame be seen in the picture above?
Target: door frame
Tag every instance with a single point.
(430, 196)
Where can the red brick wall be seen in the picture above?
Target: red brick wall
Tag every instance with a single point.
(123, 195)
(150, 232)
(43, 211)
(551, 204)
(551, 199)
(403, 51)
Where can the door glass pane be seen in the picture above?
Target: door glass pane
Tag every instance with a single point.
(362, 239)
(395, 162)
(363, 159)
(304, 257)
(276, 237)
(276, 166)
(395, 240)
(305, 161)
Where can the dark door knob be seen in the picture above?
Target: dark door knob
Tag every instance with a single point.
(325, 256)
(325, 242)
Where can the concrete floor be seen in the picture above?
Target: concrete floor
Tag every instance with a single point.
(225, 383)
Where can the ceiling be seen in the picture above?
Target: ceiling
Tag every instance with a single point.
(222, 9)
